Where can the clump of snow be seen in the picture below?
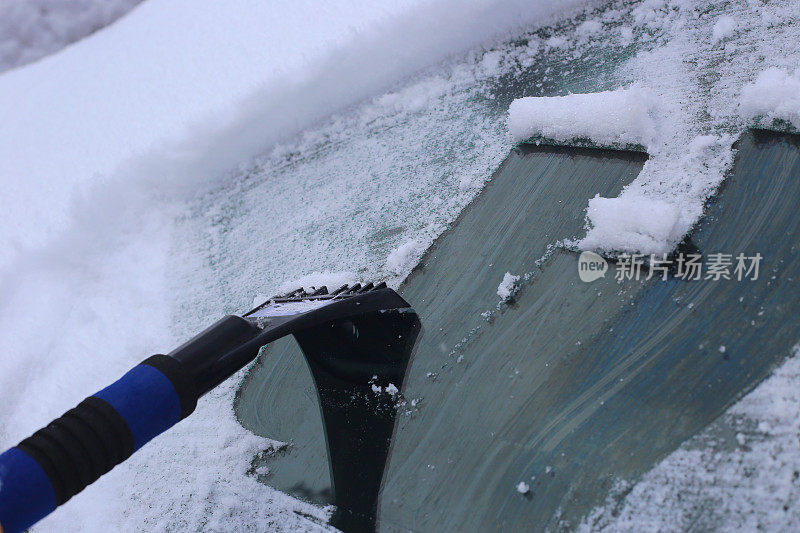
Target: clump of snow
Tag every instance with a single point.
(626, 35)
(523, 488)
(392, 389)
(588, 28)
(507, 287)
(652, 214)
(631, 223)
(413, 98)
(403, 258)
(31, 29)
(556, 42)
(723, 28)
(774, 95)
(610, 118)
(650, 13)
(691, 127)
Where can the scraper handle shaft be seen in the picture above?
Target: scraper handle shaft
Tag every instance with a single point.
(61, 459)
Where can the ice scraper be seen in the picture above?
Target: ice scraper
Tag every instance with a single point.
(356, 340)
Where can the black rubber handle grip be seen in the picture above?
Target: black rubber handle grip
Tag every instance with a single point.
(60, 460)
(80, 446)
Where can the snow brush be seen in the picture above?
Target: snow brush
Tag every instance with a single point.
(352, 338)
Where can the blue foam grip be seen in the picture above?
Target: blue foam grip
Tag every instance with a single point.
(73, 451)
(146, 400)
(26, 495)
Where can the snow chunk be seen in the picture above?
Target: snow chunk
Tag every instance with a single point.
(588, 28)
(523, 488)
(610, 118)
(507, 286)
(631, 223)
(416, 97)
(403, 257)
(556, 42)
(725, 27)
(626, 35)
(392, 389)
(775, 95)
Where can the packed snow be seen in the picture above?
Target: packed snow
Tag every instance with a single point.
(684, 121)
(588, 28)
(723, 28)
(648, 217)
(773, 96)
(507, 287)
(709, 92)
(402, 258)
(624, 117)
(632, 223)
(523, 488)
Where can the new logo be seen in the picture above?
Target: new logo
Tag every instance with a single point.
(591, 266)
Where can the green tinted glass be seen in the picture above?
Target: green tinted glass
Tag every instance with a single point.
(569, 386)
(537, 196)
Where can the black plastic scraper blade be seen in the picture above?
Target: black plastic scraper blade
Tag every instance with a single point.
(358, 363)
(358, 366)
